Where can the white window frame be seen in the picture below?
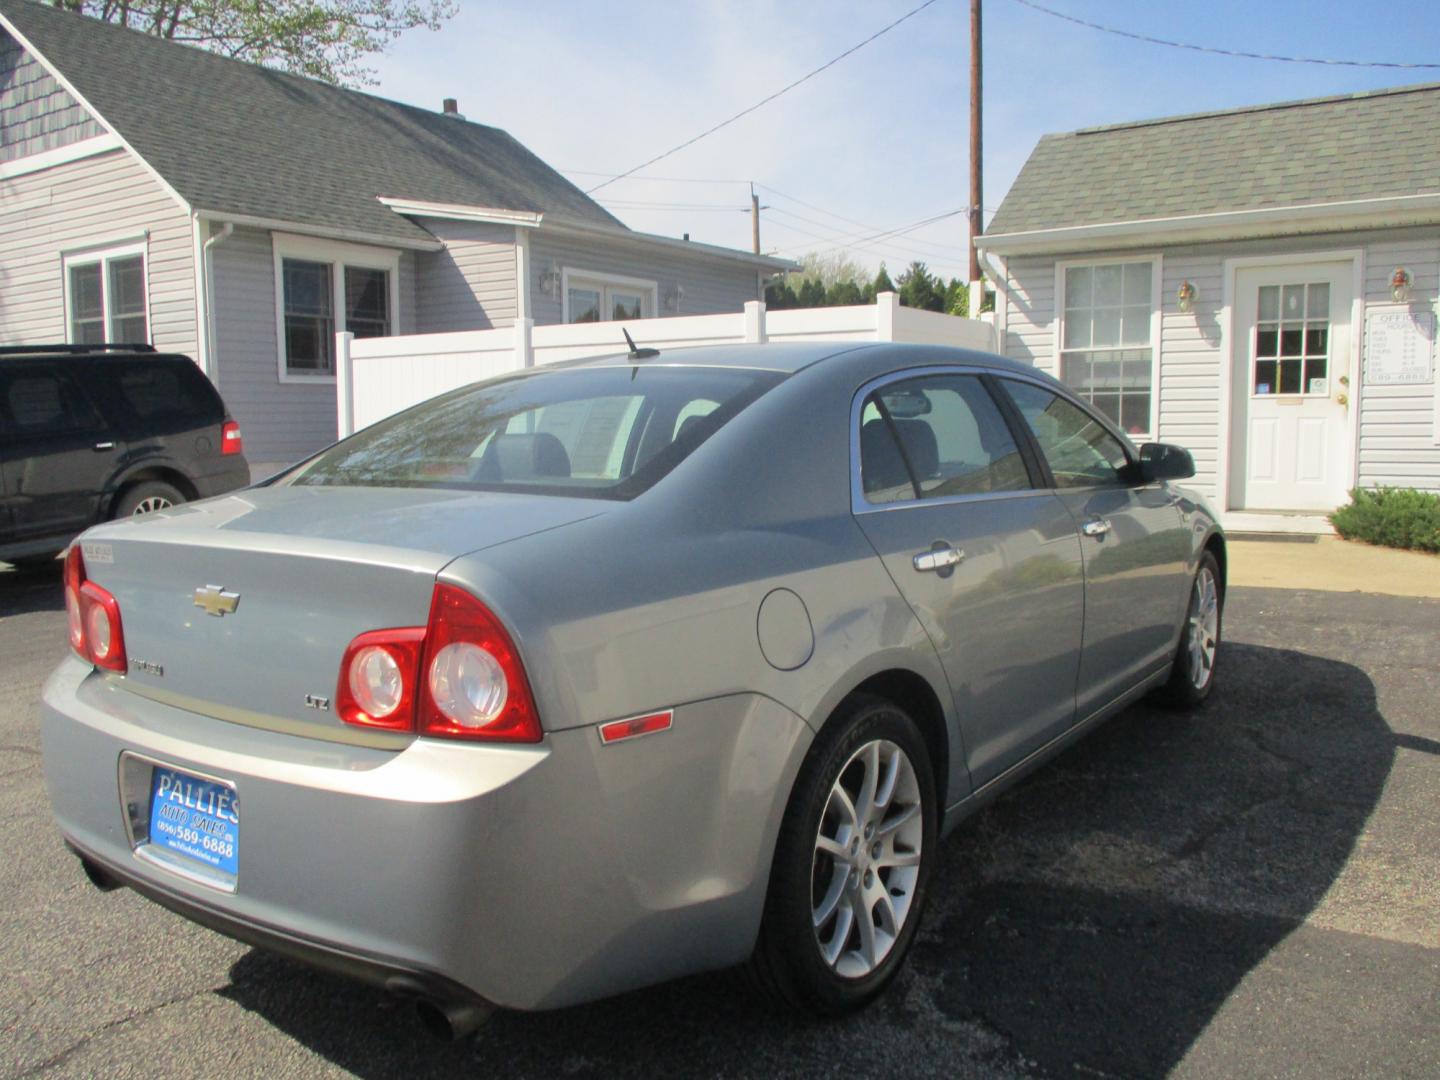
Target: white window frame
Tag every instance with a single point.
(339, 256)
(1156, 325)
(649, 290)
(104, 256)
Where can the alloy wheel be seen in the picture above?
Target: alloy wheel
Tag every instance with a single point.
(151, 504)
(1203, 627)
(866, 863)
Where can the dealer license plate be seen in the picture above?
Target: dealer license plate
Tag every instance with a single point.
(197, 820)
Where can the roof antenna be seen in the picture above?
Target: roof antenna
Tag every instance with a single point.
(637, 353)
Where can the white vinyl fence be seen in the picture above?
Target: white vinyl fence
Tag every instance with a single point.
(378, 377)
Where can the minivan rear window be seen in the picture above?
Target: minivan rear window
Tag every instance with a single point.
(596, 432)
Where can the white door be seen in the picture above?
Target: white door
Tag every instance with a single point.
(1289, 385)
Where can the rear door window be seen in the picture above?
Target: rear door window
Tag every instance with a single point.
(936, 436)
(36, 403)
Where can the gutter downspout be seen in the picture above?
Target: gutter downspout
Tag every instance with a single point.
(209, 296)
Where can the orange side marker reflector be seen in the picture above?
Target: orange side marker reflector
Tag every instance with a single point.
(618, 730)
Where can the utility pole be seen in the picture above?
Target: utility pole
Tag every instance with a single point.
(754, 219)
(976, 198)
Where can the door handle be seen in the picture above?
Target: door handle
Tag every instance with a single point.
(104, 446)
(936, 559)
(1096, 526)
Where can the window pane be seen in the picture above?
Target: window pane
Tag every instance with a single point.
(1316, 368)
(1108, 285)
(1270, 303)
(1135, 325)
(1137, 283)
(584, 305)
(130, 331)
(1289, 376)
(1081, 453)
(87, 305)
(1078, 287)
(1267, 341)
(1265, 377)
(1135, 413)
(1317, 304)
(1316, 340)
(367, 302)
(1077, 329)
(309, 319)
(127, 287)
(1108, 379)
(1292, 302)
(1107, 327)
(1291, 339)
(624, 305)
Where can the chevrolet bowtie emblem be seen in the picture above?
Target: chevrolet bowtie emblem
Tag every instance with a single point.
(216, 601)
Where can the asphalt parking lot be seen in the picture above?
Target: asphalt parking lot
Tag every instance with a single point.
(1253, 890)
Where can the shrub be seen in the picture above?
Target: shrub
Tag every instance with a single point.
(1393, 517)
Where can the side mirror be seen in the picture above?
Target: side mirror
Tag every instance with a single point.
(1162, 461)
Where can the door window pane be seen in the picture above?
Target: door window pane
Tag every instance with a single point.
(367, 302)
(624, 305)
(1292, 339)
(309, 317)
(1080, 452)
(952, 441)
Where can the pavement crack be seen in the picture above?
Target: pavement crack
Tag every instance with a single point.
(85, 1040)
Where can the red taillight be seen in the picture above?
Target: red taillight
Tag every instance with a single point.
(230, 440)
(460, 677)
(379, 677)
(93, 617)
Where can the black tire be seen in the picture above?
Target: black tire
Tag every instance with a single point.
(143, 497)
(787, 964)
(1181, 691)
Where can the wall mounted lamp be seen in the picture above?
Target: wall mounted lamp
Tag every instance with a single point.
(1400, 282)
(1185, 296)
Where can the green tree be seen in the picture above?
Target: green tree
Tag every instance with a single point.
(325, 39)
(779, 295)
(844, 294)
(812, 293)
(957, 298)
(920, 289)
(882, 283)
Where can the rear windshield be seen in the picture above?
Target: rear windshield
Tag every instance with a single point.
(600, 432)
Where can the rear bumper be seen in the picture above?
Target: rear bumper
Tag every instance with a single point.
(527, 877)
(224, 474)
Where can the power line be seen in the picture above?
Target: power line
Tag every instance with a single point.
(660, 179)
(784, 90)
(918, 248)
(883, 250)
(1216, 51)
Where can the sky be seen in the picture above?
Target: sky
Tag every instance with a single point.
(880, 140)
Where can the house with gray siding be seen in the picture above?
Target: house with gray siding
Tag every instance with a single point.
(1259, 285)
(154, 192)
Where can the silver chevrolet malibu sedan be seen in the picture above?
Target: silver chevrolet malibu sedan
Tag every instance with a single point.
(595, 675)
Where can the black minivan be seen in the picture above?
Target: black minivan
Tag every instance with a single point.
(93, 432)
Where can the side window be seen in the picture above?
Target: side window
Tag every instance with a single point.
(952, 441)
(43, 403)
(1080, 451)
(159, 396)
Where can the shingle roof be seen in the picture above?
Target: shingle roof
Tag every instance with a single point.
(1360, 146)
(241, 139)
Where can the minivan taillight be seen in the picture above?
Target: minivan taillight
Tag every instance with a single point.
(459, 677)
(93, 617)
(230, 440)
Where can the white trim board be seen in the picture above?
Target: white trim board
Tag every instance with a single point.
(61, 155)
